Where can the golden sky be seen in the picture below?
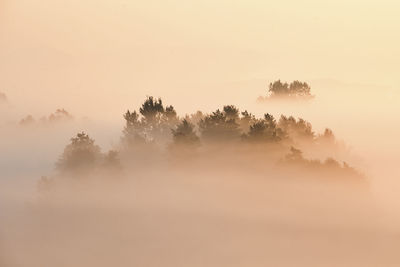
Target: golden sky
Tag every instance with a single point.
(98, 58)
(74, 50)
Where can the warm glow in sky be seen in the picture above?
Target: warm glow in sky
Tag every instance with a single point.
(98, 58)
(118, 51)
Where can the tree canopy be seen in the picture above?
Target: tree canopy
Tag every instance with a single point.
(220, 125)
(283, 90)
(80, 154)
(184, 134)
(156, 126)
(152, 123)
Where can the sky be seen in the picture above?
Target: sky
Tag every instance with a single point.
(98, 58)
(114, 53)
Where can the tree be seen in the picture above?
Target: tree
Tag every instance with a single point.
(194, 119)
(133, 131)
(231, 112)
(170, 113)
(81, 154)
(327, 138)
(264, 130)
(295, 155)
(60, 115)
(278, 88)
(246, 120)
(151, 109)
(217, 127)
(297, 130)
(299, 89)
(169, 118)
(184, 135)
(152, 123)
(294, 90)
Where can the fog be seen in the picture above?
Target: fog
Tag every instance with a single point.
(189, 197)
(224, 207)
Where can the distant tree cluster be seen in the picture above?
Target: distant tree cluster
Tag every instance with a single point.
(296, 90)
(60, 115)
(184, 135)
(82, 155)
(296, 159)
(152, 123)
(156, 125)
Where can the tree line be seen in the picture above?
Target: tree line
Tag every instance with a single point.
(155, 127)
(295, 90)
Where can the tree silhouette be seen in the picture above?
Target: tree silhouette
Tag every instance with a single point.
(80, 154)
(264, 130)
(145, 133)
(152, 123)
(297, 130)
(195, 118)
(133, 130)
(217, 127)
(231, 112)
(60, 115)
(295, 155)
(246, 120)
(327, 138)
(169, 119)
(278, 88)
(299, 89)
(329, 167)
(294, 90)
(152, 109)
(184, 134)
(170, 112)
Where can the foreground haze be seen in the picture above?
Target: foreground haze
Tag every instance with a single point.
(216, 194)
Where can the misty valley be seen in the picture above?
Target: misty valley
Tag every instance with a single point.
(210, 133)
(224, 188)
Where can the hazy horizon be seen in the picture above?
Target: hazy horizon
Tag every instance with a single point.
(94, 60)
(120, 51)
